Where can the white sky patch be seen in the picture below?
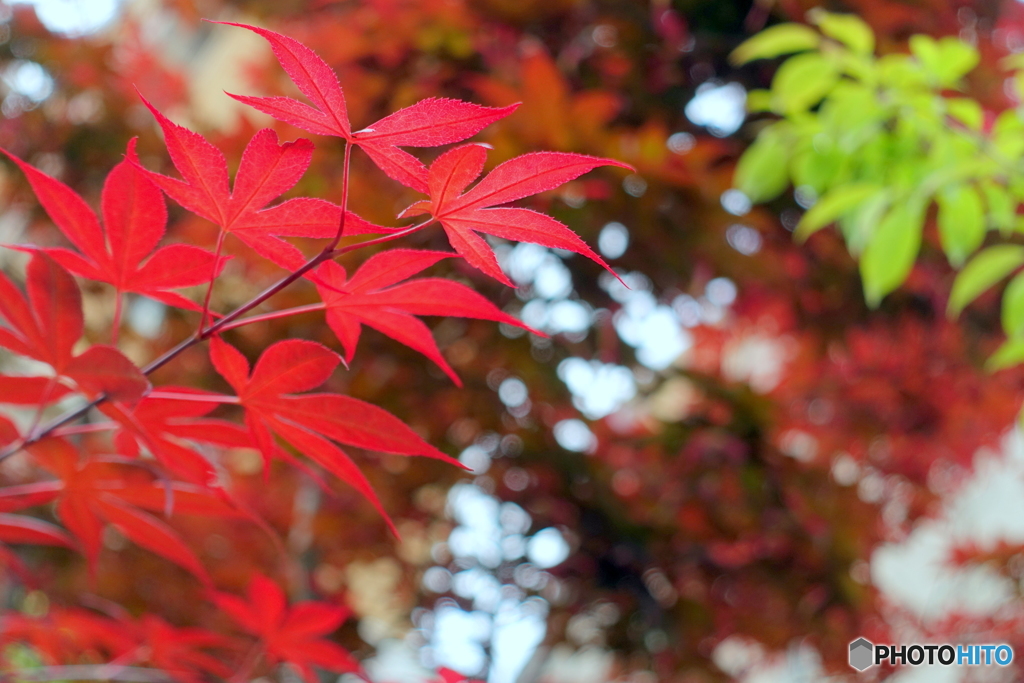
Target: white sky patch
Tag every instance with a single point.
(535, 314)
(522, 262)
(28, 79)
(519, 627)
(719, 108)
(476, 458)
(613, 240)
(721, 291)
(681, 143)
(512, 392)
(735, 202)
(394, 661)
(575, 435)
(568, 316)
(757, 360)
(552, 280)
(478, 534)
(461, 645)
(146, 317)
(547, 548)
(74, 18)
(653, 329)
(505, 625)
(743, 239)
(598, 389)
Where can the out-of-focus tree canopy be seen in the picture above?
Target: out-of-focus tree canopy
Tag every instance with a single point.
(690, 476)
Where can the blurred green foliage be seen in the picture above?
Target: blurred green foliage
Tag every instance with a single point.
(878, 145)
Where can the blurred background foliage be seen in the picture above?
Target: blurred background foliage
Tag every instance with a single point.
(690, 481)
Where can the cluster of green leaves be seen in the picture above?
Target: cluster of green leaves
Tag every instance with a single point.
(872, 142)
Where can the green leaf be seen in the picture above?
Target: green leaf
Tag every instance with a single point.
(832, 206)
(759, 100)
(946, 60)
(775, 41)
(1008, 133)
(902, 72)
(890, 254)
(961, 222)
(966, 111)
(761, 173)
(1012, 62)
(818, 165)
(986, 269)
(1001, 208)
(850, 110)
(1013, 307)
(860, 224)
(848, 29)
(802, 81)
(1009, 354)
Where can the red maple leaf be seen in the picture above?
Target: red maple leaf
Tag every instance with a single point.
(452, 676)
(294, 635)
(31, 391)
(67, 635)
(48, 324)
(311, 422)
(464, 214)
(102, 490)
(428, 123)
(372, 297)
(19, 529)
(184, 653)
(166, 421)
(121, 253)
(267, 170)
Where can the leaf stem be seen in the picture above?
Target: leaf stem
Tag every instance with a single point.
(47, 392)
(344, 197)
(90, 428)
(274, 315)
(115, 326)
(245, 669)
(213, 278)
(197, 398)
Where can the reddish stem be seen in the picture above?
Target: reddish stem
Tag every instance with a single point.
(47, 392)
(116, 325)
(213, 278)
(198, 398)
(344, 197)
(274, 315)
(85, 429)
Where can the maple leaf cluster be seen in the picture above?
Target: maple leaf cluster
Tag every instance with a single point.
(151, 457)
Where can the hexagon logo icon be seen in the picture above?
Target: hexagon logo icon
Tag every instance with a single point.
(861, 654)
